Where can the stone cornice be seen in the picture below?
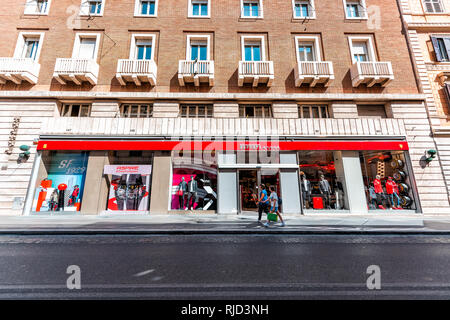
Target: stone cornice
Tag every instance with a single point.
(83, 95)
(425, 25)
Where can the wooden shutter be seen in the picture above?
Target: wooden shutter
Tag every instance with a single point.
(436, 48)
(372, 111)
(447, 47)
(429, 6)
(447, 93)
(437, 6)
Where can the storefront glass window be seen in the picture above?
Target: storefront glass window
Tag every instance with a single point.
(320, 183)
(387, 180)
(128, 178)
(194, 181)
(62, 188)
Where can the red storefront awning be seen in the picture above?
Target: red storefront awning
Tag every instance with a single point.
(168, 145)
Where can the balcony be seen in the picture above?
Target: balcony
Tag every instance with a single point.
(256, 73)
(18, 70)
(212, 127)
(76, 70)
(371, 73)
(137, 71)
(196, 72)
(314, 72)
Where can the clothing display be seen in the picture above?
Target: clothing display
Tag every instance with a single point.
(325, 190)
(306, 191)
(74, 196)
(53, 202)
(129, 192)
(135, 191)
(182, 193)
(192, 193)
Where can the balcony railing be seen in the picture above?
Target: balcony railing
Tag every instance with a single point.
(19, 69)
(256, 72)
(137, 71)
(211, 127)
(314, 72)
(192, 71)
(76, 70)
(371, 73)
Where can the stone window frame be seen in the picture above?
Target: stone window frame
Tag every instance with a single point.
(142, 36)
(190, 9)
(85, 4)
(370, 46)
(139, 114)
(77, 43)
(362, 4)
(70, 105)
(31, 6)
(189, 106)
(326, 107)
(254, 38)
(21, 42)
(310, 38)
(190, 38)
(263, 106)
(260, 10)
(424, 7)
(137, 11)
(312, 6)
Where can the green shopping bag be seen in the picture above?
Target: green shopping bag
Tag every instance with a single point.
(272, 217)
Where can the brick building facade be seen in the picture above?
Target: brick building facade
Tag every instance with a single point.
(95, 87)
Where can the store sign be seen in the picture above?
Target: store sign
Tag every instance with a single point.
(258, 147)
(273, 145)
(126, 169)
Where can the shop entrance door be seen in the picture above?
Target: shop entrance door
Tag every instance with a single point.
(249, 182)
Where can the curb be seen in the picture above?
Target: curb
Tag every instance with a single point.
(26, 232)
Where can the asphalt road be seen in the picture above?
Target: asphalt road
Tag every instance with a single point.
(225, 266)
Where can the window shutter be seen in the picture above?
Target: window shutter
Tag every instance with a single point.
(447, 93)
(429, 6)
(447, 47)
(437, 6)
(436, 49)
(87, 48)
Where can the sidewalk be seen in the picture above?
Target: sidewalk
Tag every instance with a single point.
(224, 224)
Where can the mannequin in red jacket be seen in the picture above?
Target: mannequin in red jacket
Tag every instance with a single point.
(379, 191)
(392, 191)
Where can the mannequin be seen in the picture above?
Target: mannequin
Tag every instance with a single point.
(392, 191)
(306, 190)
(325, 189)
(192, 192)
(183, 186)
(74, 196)
(134, 191)
(121, 192)
(53, 200)
(379, 191)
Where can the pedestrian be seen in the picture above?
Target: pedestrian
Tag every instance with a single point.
(274, 206)
(263, 201)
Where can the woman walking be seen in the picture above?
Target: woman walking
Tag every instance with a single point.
(263, 201)
(274, 206)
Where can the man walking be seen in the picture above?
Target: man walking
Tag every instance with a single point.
(263, 201)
